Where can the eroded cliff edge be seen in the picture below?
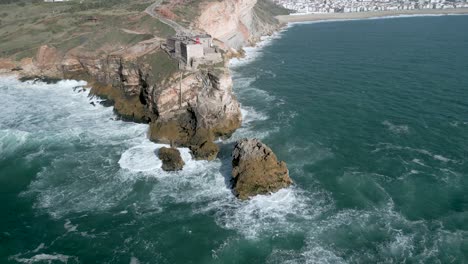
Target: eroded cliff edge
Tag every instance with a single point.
(239, 23)
(183, 108)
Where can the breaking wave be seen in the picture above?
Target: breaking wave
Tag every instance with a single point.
(101, 159)
(255, 52)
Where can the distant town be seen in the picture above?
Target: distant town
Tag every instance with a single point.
(347, 6)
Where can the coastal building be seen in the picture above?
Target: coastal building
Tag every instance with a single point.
(347, 6)
(192, 51)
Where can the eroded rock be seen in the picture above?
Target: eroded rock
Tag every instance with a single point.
(256, 170)
(202, 145)
(172, 161)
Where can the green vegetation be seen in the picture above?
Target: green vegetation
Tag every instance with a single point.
(149, 24)
(162, 66)
(103, 25)
(189, 11)
(267, 11)
(272, 8)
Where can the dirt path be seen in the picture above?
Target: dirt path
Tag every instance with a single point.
(150, 11)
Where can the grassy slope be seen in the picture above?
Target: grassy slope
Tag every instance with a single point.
(25, 25)
(267, 11)
(162, 66)
(188, 11)
(272, 9)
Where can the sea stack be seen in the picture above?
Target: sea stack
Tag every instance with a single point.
(171, 159)
(256, 170)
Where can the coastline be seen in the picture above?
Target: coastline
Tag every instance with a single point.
(252, 52)
(368, 15)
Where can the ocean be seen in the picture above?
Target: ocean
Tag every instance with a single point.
(371, 117)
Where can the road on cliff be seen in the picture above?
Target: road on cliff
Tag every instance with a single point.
(150, 11)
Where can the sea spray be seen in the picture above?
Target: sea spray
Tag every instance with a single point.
(363, 192)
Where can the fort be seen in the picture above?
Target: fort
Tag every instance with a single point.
(192, 50)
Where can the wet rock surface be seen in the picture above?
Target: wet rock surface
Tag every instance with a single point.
(256, 170)
(172, 161)
(202, 146)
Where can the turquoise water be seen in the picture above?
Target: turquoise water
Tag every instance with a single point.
(371, 117)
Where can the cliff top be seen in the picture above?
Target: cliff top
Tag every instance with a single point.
(94, 26)
(100, 26)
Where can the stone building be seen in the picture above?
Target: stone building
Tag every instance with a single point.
(192, 50)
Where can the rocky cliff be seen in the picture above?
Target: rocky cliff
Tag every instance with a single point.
(237, 23)
(184, 108)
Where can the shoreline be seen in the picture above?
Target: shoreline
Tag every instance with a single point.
(286, 19)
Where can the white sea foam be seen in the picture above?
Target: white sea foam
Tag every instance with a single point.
(69, 226)
(397, 129)
(249, 114)
(441, 158)
(11, 140)
(141, 158)
(458, 123)
(280, 212)
(71, 132)
(250, 117)
(419, 162)
(255, 52)
(134, 260)
(40, 247)
(400, 245)
(241, 81)
(205, 185)
(313, 254)
(388, 146)
(93, 183)
(243, 86)
(49, 258)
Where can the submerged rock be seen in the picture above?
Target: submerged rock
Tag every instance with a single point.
(172, 161)
(256, 169)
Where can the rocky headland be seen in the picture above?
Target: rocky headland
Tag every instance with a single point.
(144, 84)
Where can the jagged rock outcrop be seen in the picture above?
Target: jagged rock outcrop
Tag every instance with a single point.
(236, 22)
(121, 80)
(256, 169)
(208, 110)
(188, 110)
(183, 108)
(171, 159)
(202, 146)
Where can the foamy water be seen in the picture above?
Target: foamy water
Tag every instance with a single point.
(376, 151)
(116, 154)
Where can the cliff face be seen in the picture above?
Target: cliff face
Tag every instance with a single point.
(183, 108)
(236, 22)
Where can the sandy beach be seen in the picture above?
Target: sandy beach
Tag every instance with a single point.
(364, 15)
